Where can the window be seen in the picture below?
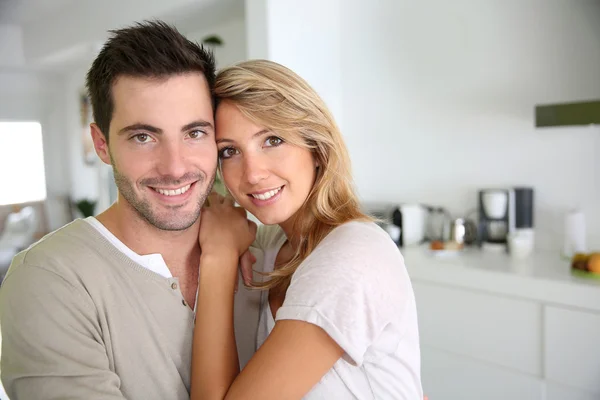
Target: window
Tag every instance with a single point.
(22, 176)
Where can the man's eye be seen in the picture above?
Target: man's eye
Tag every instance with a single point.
(142, 138)
(196, 134)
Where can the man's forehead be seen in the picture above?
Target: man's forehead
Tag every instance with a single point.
(139, 83)
(145, 101)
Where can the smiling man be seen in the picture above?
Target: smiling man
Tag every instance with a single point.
(103, 308)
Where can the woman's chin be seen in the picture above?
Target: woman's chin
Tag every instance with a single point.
(268, 218)
(268, 221)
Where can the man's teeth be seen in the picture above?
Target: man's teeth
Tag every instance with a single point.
(174, 192)
(266, 195)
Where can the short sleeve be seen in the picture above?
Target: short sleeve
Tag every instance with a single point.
(353, 285)
(51, 342)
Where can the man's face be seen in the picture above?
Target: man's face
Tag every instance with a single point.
(162, 147)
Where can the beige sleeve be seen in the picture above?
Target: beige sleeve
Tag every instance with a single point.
(52, 346)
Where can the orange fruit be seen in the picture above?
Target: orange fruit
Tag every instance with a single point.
(594, 263)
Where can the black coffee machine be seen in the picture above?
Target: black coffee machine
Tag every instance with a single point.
(502, 212)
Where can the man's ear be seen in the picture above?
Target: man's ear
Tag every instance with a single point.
(100, 143)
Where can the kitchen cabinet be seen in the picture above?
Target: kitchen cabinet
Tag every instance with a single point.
(449, 376)
(495, 328)
(555, 391)
(571, 351)
(499, 330)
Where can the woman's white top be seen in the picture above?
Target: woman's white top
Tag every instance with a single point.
(355, 286)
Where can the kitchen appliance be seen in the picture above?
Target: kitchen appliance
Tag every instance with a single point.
(505, 212)
(520, 243)
(463, 231)
(439, 224)
(405, 223)
(575, 233)
(412, 220)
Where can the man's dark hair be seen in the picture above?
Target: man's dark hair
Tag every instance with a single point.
(151, 49)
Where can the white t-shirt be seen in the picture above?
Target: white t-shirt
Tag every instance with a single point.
(153, 262)
(355, 286)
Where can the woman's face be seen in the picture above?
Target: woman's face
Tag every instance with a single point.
(267, 176)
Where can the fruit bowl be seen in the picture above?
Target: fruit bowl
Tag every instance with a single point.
(586, 265)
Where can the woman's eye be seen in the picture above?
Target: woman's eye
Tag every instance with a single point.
(196, 134)
(227, 152)
(142, 138)
(273, 141)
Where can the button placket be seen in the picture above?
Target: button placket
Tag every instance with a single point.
(175, 286)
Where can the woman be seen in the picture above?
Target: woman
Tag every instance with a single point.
(338, 317)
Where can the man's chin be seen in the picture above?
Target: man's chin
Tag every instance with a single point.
(173, 225)
(172, 220)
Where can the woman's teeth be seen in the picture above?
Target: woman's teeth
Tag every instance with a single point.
(174, 192)
(266, 195)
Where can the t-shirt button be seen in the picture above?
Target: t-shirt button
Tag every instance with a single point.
(173, 286)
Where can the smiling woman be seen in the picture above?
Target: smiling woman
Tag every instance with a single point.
(22, 174)
(337, 315)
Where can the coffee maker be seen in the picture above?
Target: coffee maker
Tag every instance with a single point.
(503, 212)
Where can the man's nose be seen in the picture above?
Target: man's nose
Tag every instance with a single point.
(172, 160)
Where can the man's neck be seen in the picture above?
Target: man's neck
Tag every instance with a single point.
(179, 249)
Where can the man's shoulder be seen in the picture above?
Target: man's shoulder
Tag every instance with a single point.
(62, 247)
(70, 238)
(268, 236)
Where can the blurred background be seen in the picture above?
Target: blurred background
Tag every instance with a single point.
(437, 103)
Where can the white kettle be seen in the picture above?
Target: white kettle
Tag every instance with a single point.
(412, 221)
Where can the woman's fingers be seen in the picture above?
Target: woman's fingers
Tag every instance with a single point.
(247, 260)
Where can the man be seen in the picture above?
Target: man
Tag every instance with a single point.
(103, 307)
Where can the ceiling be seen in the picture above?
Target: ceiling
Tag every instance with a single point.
(58, 34)
(23, 11)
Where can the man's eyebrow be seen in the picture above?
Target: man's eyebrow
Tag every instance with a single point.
(140, 127)
(197, 124)
(153, 129)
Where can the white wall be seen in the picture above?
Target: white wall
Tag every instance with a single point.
(233, 33)
(85, 179)
(31, 96)
(439, 101)
(303, 36)
(11, 45)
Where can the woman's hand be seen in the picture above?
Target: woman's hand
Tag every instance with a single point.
(225, 234)
(246, 263)
(224, 228)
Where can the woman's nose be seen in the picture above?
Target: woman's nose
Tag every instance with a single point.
(255, 168)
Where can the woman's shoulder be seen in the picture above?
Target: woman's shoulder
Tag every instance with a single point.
(353, 259)
(355, 245)
(360, 234)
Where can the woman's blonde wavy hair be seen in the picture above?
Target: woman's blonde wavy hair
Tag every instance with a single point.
(276, 98)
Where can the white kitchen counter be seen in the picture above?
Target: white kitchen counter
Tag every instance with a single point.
(544, 277)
